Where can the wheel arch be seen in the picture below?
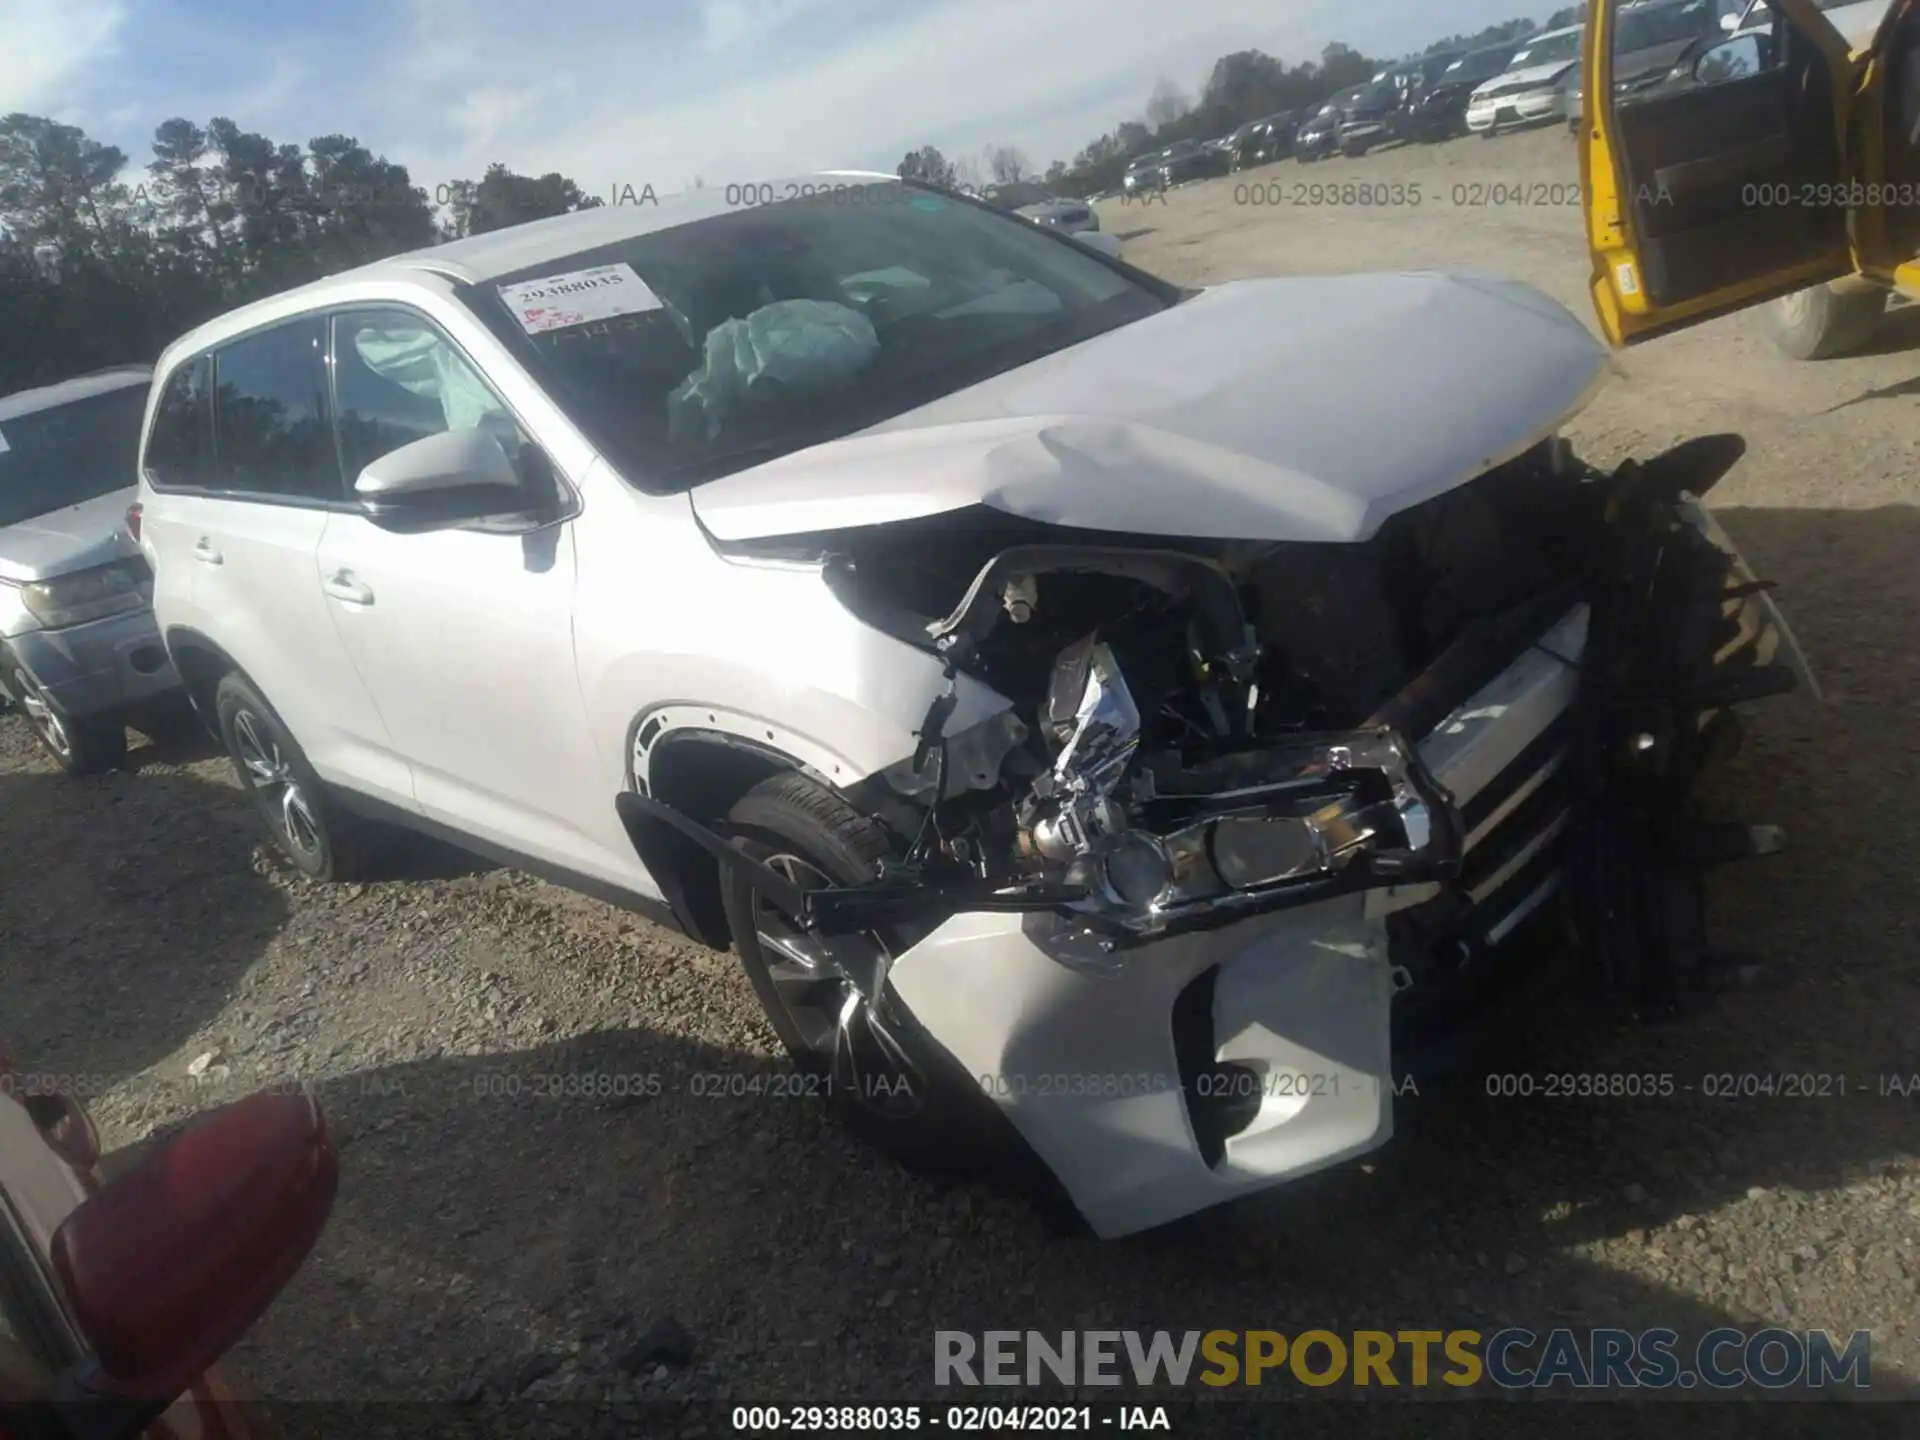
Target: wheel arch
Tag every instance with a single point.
(201, 663)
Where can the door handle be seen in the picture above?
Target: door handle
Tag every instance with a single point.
(203, 551)
(342, 586)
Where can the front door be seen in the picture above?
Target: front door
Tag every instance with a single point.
(1721, 187)
(463, 636)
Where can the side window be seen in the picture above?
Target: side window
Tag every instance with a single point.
(397, 379)
(180, 447)
(271, 426)
(1734, 59)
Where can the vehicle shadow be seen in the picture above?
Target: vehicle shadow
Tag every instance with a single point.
(170, 740)
(90, 982)
(1897, 333)
(549, 1230)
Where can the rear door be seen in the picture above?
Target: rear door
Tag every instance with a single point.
(254, 540)
(1719, 190)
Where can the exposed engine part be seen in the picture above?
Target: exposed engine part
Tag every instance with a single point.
(975, 758)
(1071, 811)
(1224, 633)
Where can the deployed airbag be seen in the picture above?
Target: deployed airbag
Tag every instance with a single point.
(788, 350)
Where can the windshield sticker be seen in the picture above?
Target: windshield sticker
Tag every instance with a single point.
(3, 442)
(577, 297)
(927, 202)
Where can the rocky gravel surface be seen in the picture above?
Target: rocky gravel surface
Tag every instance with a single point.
(503, 1230)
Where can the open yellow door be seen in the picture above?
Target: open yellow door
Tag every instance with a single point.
(1718, 187)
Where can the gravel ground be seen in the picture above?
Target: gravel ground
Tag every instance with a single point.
(489, 1241)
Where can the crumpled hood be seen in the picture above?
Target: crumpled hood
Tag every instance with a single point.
(1296, 409)
(62, 541)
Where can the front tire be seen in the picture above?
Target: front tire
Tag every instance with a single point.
(1821, 322)
(882, 1075)
(79, 747)
(306, 828)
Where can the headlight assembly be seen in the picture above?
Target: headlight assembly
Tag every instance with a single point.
(89, 594)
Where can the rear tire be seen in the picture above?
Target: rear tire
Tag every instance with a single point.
(881, 1074)
(79, 747)
(1820, 323)
(306, 828)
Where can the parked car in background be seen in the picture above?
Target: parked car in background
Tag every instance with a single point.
(1364, 122)
(1036, 716)
(118, 1297)
(1143, 173)
(1262, 141)
(1379, 114)
(1439, 110)
(1070, 216)
(1740, 183)
(1536, 86)
(1190, 160)
(1319, 134)
(1651, 38)
(79, 654)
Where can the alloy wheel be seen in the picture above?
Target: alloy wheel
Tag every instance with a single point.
(275, 786)
(825, 987)
(40, 713)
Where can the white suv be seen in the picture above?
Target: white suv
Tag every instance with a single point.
(1121, 729)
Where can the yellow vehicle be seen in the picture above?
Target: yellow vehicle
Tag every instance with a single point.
(1775, 163)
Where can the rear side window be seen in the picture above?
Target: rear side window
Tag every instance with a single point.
(180, 447)
(273, 431)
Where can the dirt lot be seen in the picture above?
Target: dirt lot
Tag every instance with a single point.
(488, 1242)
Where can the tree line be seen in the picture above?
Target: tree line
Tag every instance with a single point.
(97, 269)
(1246, 85)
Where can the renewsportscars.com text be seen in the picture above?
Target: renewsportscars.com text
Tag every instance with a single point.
(1511, 1359)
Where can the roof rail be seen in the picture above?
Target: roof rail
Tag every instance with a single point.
(125, 369)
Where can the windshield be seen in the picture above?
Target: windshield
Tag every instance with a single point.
(1545, 52)
(1655, 25)
(696, 351)
(54, 458)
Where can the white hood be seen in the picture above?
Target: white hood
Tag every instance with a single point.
(74, 538)
(1531, 78)
(1297, 409)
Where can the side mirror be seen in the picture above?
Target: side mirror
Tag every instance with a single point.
(165, 1267)
(1734, 58)
(441, 480)
(1099, 240)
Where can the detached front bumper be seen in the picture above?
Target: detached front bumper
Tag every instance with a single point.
(102, 667)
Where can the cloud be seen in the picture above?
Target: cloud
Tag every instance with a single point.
(46, 46)
(625, 94)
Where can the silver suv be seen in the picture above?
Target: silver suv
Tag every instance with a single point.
(79, 653)
(1120, 729)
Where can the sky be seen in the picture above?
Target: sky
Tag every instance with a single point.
(619, 93)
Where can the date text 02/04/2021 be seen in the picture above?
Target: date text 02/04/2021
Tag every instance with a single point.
(955, 1419)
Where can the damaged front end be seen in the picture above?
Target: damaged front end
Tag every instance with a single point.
(1204, 732)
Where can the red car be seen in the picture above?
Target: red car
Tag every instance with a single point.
(117, 1298)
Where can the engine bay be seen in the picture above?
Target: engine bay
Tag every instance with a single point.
(1199, 729)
